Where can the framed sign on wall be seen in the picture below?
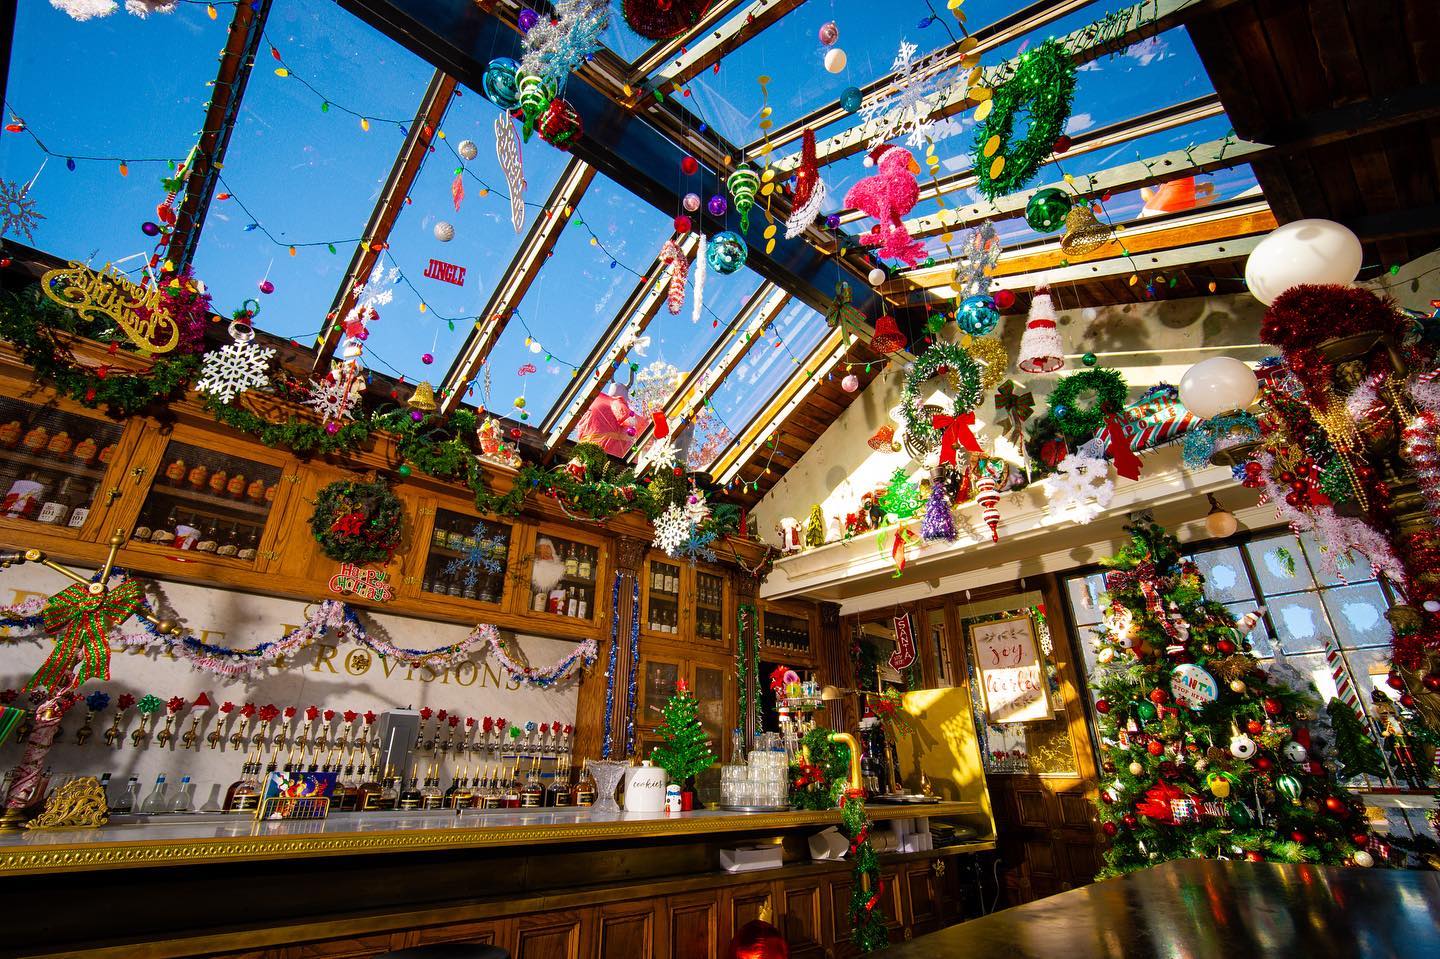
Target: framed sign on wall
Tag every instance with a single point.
(1012, 673)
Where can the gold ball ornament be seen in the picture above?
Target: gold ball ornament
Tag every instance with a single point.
(1207, 648)
(519, 402)
(1237, 686)
(168, 627)
(992, 357)
(1136, 769)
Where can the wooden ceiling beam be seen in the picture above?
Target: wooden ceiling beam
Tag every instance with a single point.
(376, 236)
(525, 265)
(700, 54)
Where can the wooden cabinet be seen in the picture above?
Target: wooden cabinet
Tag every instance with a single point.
(563, 570)
(787, 632)
(625, 930)
(710, 680)
(549, 935)
(462, 560)
(685, 603)
(801, 917)
(692, 926)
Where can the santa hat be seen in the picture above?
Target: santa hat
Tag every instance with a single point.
(1040, 349)
(873, 157)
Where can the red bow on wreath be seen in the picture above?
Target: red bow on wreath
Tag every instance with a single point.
(81, 620)
(956, 430)
(351, 523)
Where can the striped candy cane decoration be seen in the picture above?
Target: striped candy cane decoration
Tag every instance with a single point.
(1343, 687)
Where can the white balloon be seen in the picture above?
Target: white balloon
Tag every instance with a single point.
(835, 59)
(877, 276)
(444, 232)
(1218, 385)
(1305, 251)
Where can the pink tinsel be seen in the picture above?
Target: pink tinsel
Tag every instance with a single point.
(887, 196)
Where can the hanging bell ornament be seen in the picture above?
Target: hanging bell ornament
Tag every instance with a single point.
(1083, 233)
(423, 398)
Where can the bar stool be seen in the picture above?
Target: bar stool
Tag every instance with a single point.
(449, 950)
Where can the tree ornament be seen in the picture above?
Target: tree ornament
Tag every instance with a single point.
(681, 224)
(850, 383)
(725, 253)
(743, 184)
(876, 276)
(444, 232)
(717, 205)
(829, 33)
(1081, 488)
(501, 85)
(901, 498)
(977, 315)
(508, 151)
(1242, 746)
(1363, 859)
(1040, 349)
(973, 275)
(560, 125)
(887, 196)
(663, 19)
(938, 523)
(851, 99)
(1289, 787)
(467, 149)
(1136, 769)
(1041, 88)
(17, 210)
(691, 202)
(988, 496)
(673, 259)
(835, 60)
(1089, 359)
(557, 45)
(1045, 211)
(810, 190)
(536, 94)
(237, 367)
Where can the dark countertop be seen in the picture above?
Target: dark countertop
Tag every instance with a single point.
(1202, 909)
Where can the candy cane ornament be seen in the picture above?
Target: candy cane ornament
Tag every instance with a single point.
(988, 496)
(674, 259)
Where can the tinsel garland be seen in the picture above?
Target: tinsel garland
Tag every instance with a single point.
(607, 745)
(867, 919)
(634, 668)
(1230, 429)
(745, 630)
(698, 305)
(331, 616)
(964, 377)
(1042, 89)
(1420, 448)
(1107, 391)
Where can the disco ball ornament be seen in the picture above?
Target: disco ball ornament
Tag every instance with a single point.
(560, 125)
(467, 150)
(850, 99)
(717, 205)
(689, 166)
(726, 252)
(691, 202)
(977, 315)
(877, 276)
(1046, 210)
(835, 60)
(527, 20)
(500, 84)
(444, 232)
(682, 224)
(850, 383)
(829, 33)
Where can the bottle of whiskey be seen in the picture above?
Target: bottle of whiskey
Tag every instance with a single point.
(244, 793)
(572, 564)
(389, 796)
(342, 799)
(367, 794)
(558, 792)
(451, 795)
(248, 545)
(532, 793)
(430, 795)
(410, 797)
(510, 788)
(585, 788)
(585, 571)
(485, 795)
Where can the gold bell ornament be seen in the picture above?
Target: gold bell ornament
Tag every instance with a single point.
(423, 398)
(1083, 233)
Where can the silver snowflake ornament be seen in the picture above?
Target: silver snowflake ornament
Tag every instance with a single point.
(481, 554)
(17, 210)
(236, 368)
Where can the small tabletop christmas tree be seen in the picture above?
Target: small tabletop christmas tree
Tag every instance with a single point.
(686, 750)
(901, 498)
(1201, 744)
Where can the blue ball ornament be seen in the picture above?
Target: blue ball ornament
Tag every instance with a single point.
(832, 220)
(977, 315)
(717, 205)
(1062, 411)
(527, 19)
(499, 83)
(850, 99)
(726, 252)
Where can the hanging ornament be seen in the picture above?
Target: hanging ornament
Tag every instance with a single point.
(444, 232)
(673, 259)
(702, 261)
(567, 38)
(850, 383)
(1045, 211)
(717, 205)
(507, 151)
(1420, 449)
(682, 224)
(887, 196)
(663, 19)
(467, 150)
(743, 185)
(977, 263)
(1083, 232)
(17, 210)
(1040, 349)
(937, 523)
(876, 276)
(726, 252)
(850, 99)
(527, 19)
(691, 202)
(988, 496)
(835, 60)
(334, 396)
(500, 84)
(829, 33)
(536, 93)
(689, 166)
(235, 368)
(977, 315)
(887, 338)
(1081, 488)
(560, 125)
(810, 190)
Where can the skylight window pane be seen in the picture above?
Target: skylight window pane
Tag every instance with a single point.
(301, 169)
(597, 262)
(115, 88)
(484, 244)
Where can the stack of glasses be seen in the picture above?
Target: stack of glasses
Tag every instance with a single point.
(760, 782)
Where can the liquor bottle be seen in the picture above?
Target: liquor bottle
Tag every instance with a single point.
(209, 541)
(56, 508)
(572, 565)
(389, 797)
(129, 799)
(81, 510)
(248, 545)
(430, 795)
(154, 803)
(510, 795)
(541, 598)
(229, 542)
(485, 795)
(184, 798)
(244, 793)
(342, 797)
(164, 533)
(532, 793)
(558, 793)
(468, 797)
(583, 610)
(410, 797)
(585, 788)
(572, 603)
(586, 569)
(367, 794)
(451, 795)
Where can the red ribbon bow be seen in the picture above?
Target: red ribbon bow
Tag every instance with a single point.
(1127, 464)
(956, 430)
(81, 621)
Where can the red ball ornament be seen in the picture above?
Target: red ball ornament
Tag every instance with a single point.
(1299, 836)
(1254, 727)
(560, 125)
(1272, 706)
(1130, 820)
(1158, 696)
(758, 939)
(1294, 500)
(1102, 706)
(1108, 828)
(1224, 647)
(1431, 681)
(1394, 681)
(678, 471)
(1062, 143)
(1360, 839)
(682, 224)
(1155, 746)
(1336, 805)
(1253, 856)
(689, 166)
(1004, 299)
(1263, 763)
(1407, 700)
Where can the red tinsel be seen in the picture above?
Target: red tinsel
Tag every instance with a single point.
(663, 19)
(1308, 314)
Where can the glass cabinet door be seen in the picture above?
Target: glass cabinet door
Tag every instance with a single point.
(662, 587)
(563, 575)
(207, 502)
(709, 687)
(52, 464)
(709, 607)
(787, 633)
(467, 558)
(659, 678)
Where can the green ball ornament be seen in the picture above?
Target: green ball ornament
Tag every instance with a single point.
(535, 95)
(1146, 711)
(935, 322)
(1047, 208)
(1089, 359)
(1240, 814)
(404, 469)
(1288, 786)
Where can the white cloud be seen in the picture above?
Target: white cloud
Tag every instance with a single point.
(1079, 122)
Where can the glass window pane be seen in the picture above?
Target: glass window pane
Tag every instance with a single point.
(1225, 576)
(940, 649)
(1279, 564)
(1313, 670)
(1353, 567)
(1085, 594)
(1260, 639)
(1300, 622)
(1358, 615)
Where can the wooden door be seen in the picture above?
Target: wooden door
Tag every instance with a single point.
(625, 930)
(739, 905)
(549, 935)
(801, 918)
(692, 926)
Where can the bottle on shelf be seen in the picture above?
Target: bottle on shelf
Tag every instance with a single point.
(584, 606)
(450, 797)
(584, 794)
(389, 797)
(154, 803)
(244, 793)
(367, 794)
(430, 795)
(532, 793)
(184, 800)
(105, 788)
(572, 563)
(586, 570)
(85, 495)
(488, 795)
(572, 602)
(410, 797)
(342, 797)
(55, 510)
(558, 792)
(129, 800)
(510, 794)
(164, 533)
(249, 545)
(209, 541)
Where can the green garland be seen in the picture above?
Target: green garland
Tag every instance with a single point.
(818, 783)
(964, 378)
(1103, 391)
(745, 623)
(1042, 88)
(867, 919)
(357, 521)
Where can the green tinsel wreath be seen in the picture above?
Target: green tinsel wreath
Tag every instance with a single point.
(964, 378)
(357, 522)
(1101, 390)
(1043, 86)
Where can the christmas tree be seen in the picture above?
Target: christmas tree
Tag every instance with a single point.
(938, 523)
(1200, 742)
(685, 751)
(901, 499)
(1355, 751)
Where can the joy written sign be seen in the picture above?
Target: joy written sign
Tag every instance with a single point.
(1012, 674)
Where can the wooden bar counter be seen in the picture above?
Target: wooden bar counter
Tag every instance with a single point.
(543, 883)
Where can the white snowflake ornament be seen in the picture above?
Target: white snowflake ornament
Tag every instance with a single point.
(1082, 488)
(672, 529)
(334, 397)
(236, 368)
(657, 455)
(17, 210)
